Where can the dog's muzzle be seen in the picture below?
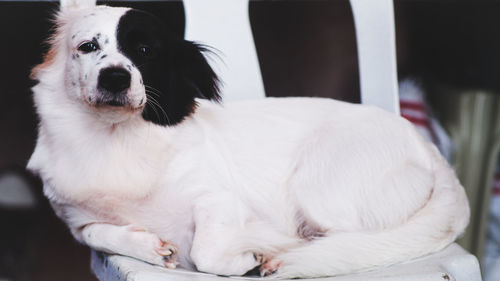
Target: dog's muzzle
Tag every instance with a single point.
(113, 84)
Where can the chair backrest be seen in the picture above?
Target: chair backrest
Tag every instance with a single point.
(225, 25)
(376, 40)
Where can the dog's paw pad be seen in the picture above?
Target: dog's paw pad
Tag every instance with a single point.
(270, 267)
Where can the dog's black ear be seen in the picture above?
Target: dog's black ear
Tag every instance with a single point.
(196, 74)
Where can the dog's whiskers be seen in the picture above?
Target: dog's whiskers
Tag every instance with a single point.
(140, 65)
(154, 103)
(153, 90)
(153, 108)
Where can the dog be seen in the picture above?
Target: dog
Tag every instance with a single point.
(139, 157)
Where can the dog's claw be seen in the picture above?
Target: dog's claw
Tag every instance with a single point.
(259, 258)
(168, 252)
(170, 247)
(164, 252)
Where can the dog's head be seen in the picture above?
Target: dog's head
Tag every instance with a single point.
(126, 61)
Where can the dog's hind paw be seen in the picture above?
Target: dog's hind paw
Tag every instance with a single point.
(270, 267)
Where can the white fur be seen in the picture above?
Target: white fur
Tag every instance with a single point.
(76, 4)
(233, 181)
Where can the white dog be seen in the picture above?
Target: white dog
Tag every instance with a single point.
(137, 162)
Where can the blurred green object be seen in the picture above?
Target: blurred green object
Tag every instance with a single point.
(472, 118)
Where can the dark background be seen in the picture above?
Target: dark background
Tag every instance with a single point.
(305, 48)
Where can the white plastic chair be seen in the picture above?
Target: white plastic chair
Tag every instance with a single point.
(225, 25)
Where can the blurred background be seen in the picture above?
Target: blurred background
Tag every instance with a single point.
(448, 62)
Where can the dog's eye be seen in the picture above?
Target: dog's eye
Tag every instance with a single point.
(88, 47)
(145, 51)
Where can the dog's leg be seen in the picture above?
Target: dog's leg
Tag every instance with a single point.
(130, 241)
(217, 244)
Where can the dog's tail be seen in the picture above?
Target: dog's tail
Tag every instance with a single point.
(433, 227)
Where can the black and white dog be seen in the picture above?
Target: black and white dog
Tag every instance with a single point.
(138, 161)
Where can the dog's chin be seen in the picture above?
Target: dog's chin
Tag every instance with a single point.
(113, 112)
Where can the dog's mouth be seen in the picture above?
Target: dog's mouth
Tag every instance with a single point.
(107, 101)
(114, 103)
(113, 99)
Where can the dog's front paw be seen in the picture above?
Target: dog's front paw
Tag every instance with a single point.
(169, 253)
(149, 247)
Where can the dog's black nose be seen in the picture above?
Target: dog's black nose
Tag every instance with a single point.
(114, 79)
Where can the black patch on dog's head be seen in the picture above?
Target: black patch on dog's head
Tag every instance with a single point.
(174, 71)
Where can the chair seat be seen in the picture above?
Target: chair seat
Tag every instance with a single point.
(452, 263)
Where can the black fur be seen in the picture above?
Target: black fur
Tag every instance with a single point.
(174, 71)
